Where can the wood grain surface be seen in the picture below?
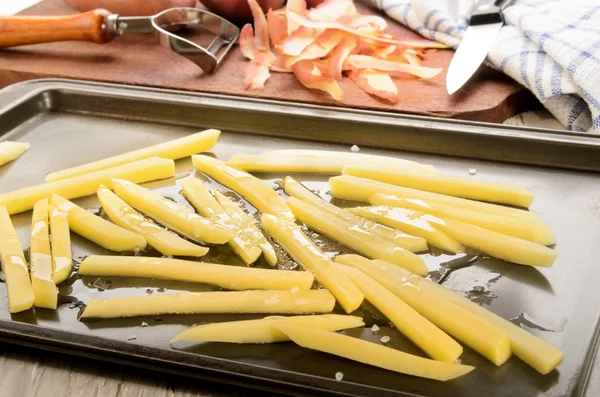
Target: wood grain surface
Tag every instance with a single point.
(138, 60)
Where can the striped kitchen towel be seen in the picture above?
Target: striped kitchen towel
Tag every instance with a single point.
(552, 47)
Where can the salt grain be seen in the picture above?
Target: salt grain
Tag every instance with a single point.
(472, 171)
(144, 324)
(354, 148)
(385, 339)
(339, 376)
(374, 328)
(295, 289)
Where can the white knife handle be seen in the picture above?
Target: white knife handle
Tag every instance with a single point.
(486, 12)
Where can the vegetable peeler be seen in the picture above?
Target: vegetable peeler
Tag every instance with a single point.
(182, 30)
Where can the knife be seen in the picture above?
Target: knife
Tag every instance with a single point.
(485, 24)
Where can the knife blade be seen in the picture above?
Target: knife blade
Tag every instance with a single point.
(485, 24)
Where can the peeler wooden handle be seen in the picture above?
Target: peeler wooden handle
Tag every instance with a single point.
(21, 30)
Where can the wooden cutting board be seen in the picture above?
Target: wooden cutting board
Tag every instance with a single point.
(138, 60)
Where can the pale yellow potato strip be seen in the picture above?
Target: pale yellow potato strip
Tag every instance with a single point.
(44, 289)
(173, 150)
(275, 162)
(469, 188)
(163, 240)
(271, 301)
(361, 189)
(87, 184)
(62, 260)
(423, 333)
(248, 226)
(175, 216)
(528, 229)
(406, 241)
(263, 330)
(350, 235)
(410, 221)
(501, 246)
(256, 191)
(372, 354)
(98, 230)
(346, 158)
(10, 151)
(307, 254)
(207, 206)
(539, 354)
(225, 276)
(18, 285)
(482, 336)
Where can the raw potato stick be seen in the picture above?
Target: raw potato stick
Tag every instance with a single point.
(406, 241)
(361, 189)
(444, 184)
(248, 226)
(372, 353)
(429, 338)
(263, 330)
(163, 240)
(173, 150)
(18, 285)
(271, 301)
(367, 243)
(98, 230)
(426, 226)
(228, 277)
(207, 206)
(501, 246)
(256, 191)
(307, 254)
(527, 229)
(10, 151)
(175, 216)
(44, 289)
(62, 260)
(482, 336)
(86, 184)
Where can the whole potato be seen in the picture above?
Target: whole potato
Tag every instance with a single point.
(238, 11)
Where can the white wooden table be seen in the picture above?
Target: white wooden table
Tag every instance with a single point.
(31, 373)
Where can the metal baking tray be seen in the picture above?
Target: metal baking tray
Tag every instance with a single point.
(70, 122)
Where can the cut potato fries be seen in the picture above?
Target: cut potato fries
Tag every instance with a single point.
(271, 301)
(97, 229)
(248, 226)
(173, 150)
(18, 285)
(228, 277)
(411, 243)
(372, 353)
(10, 151)
(86, 184)
(539, 354)
(432, 340)
(314, 161)
(44, 289)
(361, 189)
(263, 330)
(410, 221)
(501, 246)
(175, 216)
(163, 240)
(207, 206)
(256, 191)
(62, 260)
(528, 229)
(482, 336)
(362, 241)
(306, 253)
(445, 184)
